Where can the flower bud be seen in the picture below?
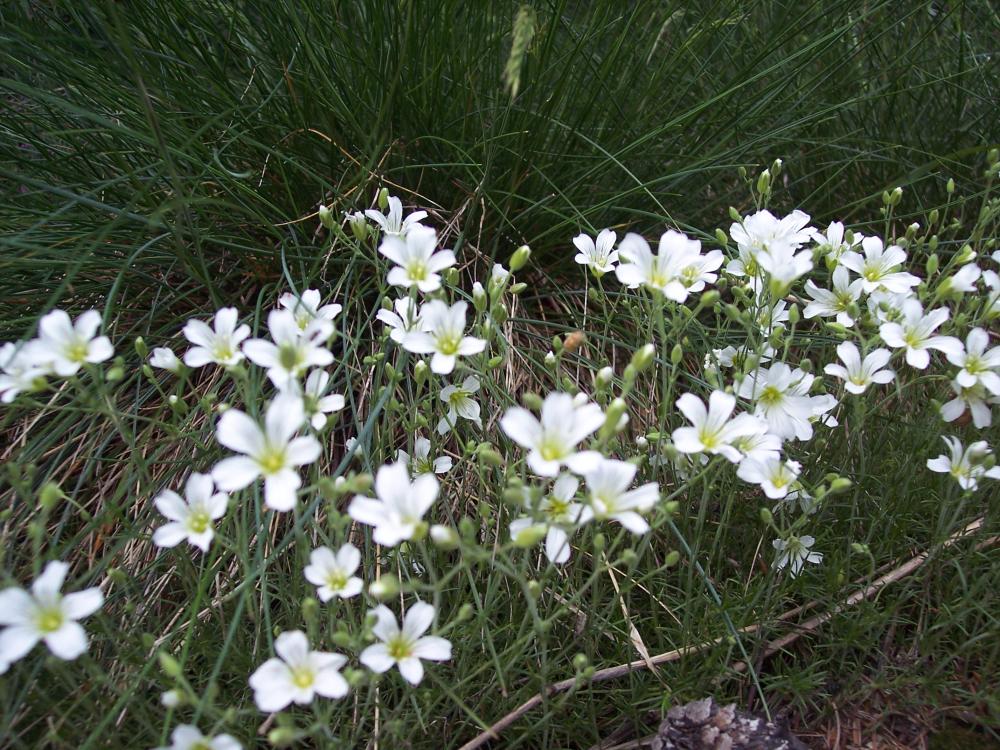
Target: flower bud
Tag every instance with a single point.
(359, 226)
(896, 196)
(444, 537)
(676, 354)
(326, 217)
(140, 348)
(171, 698)
(735, 215)
(932, 264)
(532, 401)
(721, 237)
(643, 357)
(603, 378)
(488, 456)
(384, 588)
(420, 371)
(766, 516)
(950, 187)
(479, 297)
(519, 259)
(170, 666)
(672, 558)
(383, 199)
(580, 662)
(530, 536)
(764, 183)
(534, 589)
(283, 736)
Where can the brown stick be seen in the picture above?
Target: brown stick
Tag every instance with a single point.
(621, 670)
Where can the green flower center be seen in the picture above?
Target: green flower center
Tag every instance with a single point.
(551, 450)
(303, 677)
(448, 344)
(689, 275)
(77, 351)
(289, 357)
(336, 580)
(199, 521)
(708, 439)
(272, 461)
(770, 396)
(50, 620)
(417, 270)
(399, 648)
(557, 508)
(423, 466)
(223, 351)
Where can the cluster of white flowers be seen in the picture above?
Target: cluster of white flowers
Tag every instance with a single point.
(784, 402)
(567, 467)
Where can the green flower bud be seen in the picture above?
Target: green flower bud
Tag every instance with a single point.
(420, 371)
(950, 187)
(766, 516)
(580, 662)
(672, 558)
(793, 315)
(384, 588)
(643, 357)
(676, 354)
(115, 373)
(488, 456)
(896, 196)
(326, 217)
(444, 537)
(170, 666)
(283, 736)
(383, 199)
(721, 237)
(140, 348)
(534, 589)
(532, 401)
(764, 183)
(517, 288)
(49, 496)
(519, 259)
(530, 536)
(735, 215)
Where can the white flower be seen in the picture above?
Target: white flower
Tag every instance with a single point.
(187, 737)
(784, 263)
(406, 318)
(552, 440)
(298, 676)
(400, 506)
(444, 335)
(599, 256)
(164, 358)
(992, 281)
(964, 279)
(836, 301)
(975, 399)
(559, 514)
(878, 267)
(17, 374)
(272, 452)
(190, 517)
(977, 364)
(416, 262)
(713, 431)
(609, 495)
(333, 573)
(422, 462)
(858, 374)
(964, 464)
(45, 615)
(772, 318)
(64, 346)
(307, 308)
(460, 404)
(758, 445)
(676, 270)
(794, 552)
(775, 477)
(221, 346)
(394, 225)
(887, 307)
(781, 396)
(404, 647)
(293, 350)
(316, 402)
(171, 698)
(764, 232)
(915, 334)
(833, 242)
